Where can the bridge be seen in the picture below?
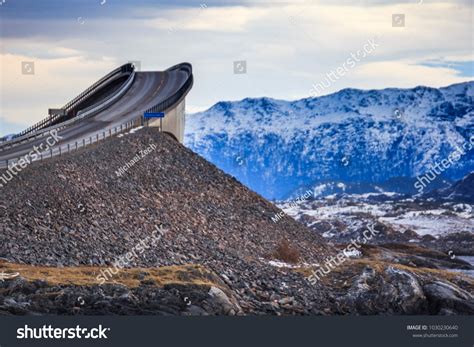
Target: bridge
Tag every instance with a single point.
(114, 104)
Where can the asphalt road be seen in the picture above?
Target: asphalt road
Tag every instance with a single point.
(148, 89)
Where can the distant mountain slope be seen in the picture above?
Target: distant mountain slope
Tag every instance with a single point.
(398, 185)
(276, 147)
(462, 190)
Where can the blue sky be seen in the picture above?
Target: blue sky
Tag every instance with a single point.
(288, 46)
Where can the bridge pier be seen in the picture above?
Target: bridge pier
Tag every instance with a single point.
(173, 121)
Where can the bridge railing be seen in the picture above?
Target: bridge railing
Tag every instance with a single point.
(126, 68)
(78, 99)
(179, 94)
(71, 146)
(94, 109)
(31, 134)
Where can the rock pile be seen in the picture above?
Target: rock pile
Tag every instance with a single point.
(74, 210)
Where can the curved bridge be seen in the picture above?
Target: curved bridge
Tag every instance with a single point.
(116, 102)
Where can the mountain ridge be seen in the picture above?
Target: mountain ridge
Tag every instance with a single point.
(275, 146)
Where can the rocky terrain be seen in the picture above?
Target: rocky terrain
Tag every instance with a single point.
(438, 224)
(168, 290)
(74, 211)
(398, 279)
(66, 222)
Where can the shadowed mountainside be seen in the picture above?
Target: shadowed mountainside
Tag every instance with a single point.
(368, 140)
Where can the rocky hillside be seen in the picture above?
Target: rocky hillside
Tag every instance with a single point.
(75, 210)
(66, 223)
(355, 137)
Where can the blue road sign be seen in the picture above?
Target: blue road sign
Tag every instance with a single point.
(154, 114)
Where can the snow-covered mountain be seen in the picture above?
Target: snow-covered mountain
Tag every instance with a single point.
(278, 147)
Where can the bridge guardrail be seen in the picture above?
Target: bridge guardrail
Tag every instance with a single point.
(91, 110)
(77, 144)
(180, 93)
(71, 104)
(82, 114)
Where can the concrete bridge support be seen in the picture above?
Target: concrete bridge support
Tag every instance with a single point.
(173, 122)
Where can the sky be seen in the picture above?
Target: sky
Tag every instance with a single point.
(287, 46)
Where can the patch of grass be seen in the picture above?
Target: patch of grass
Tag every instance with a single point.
(286, 252)
(354, 267)
(87, 275)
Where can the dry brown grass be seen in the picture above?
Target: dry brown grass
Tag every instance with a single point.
(286, 252)
(87, 275)
(355, 267)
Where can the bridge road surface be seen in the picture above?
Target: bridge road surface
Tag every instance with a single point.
(147, 89)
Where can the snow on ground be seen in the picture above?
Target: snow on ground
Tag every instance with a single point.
(330, 211)
(353, 254)
(401, 215)
(282, 264)
(134, 130)
(430, 225)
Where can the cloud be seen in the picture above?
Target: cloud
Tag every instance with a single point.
(217, 19)
(288, 46)
(404, 74)
(25, 99)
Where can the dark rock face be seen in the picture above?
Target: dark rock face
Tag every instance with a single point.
(462, 191)
(445, 298)
(459, 243)
(21, 297)
(398, 291)
(402, 279)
